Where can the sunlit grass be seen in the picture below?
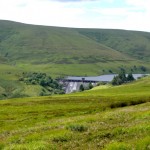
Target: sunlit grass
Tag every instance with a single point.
(78, 121)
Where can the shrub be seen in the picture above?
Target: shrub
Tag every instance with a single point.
(77, 127)
(119, 104)
(81, 88)
(90, 86)
(137, 102)
(110, 71)
(143, 68)
(61, 138)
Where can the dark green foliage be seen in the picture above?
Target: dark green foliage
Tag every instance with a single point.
(116, 81)
(110, 71)
(43, 80)
(61, 138)
(130, 103)
(121, 78)
(120, 104)
(130, 77)
(81, 88)
(143, 68)
(77, 127)
(135, 68)
(90, 86)
(36, 78)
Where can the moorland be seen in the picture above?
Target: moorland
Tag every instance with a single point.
(107, 117)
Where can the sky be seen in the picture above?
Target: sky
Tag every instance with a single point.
(112, 14)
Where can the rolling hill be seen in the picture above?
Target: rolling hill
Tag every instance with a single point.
(67, 51)
(23, 43)
(51, 45)
(133, 43)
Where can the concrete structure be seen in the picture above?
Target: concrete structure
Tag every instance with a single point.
(72, 83)
(95, 79)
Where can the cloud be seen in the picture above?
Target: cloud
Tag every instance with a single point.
(128, 14)
(73, 0)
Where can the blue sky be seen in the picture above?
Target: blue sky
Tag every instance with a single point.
(112, 14)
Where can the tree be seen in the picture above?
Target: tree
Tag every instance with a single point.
(81, 88)
(90, 86)
(130, 77)
(119, 79)
(143, 68)
(43, 80)
(122, 76)
(114, 81)
(110, 71)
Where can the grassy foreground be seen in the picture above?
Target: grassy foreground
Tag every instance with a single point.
(95, 119)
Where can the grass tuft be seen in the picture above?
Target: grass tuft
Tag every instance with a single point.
(143, 144)
(77, 127)
(61, 138)
(118, 146)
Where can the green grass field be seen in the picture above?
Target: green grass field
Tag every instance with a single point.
(110, 118)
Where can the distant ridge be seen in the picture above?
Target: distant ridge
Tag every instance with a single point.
(51, 44)
(37, 44)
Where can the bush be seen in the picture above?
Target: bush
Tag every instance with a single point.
(77, 127)
(119, 104)
(81, 88)
(143, 68)
(90, 86)
(61, 138)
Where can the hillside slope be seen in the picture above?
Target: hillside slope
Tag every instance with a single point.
(51, 45)
(133, 43)
(79, 121)
(23, 43)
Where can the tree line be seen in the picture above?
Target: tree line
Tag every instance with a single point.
(122, 78)
(42, 79)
